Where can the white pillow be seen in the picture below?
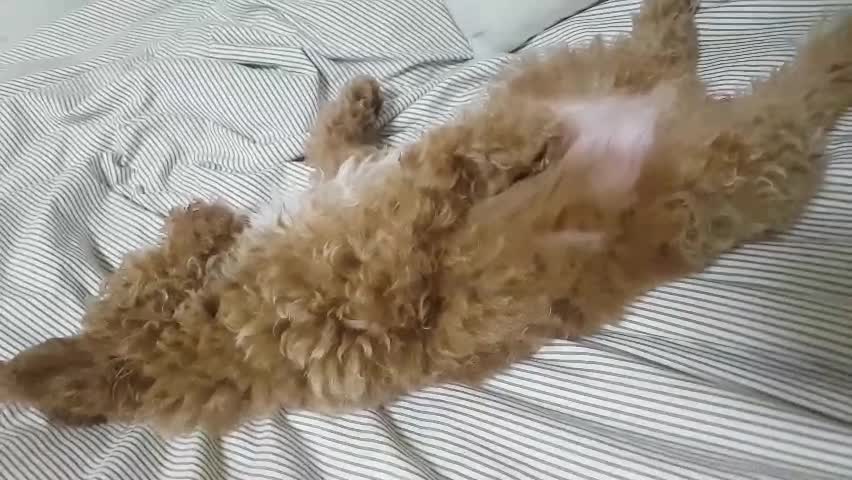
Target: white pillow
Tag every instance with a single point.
(495, 27)
(21, 18)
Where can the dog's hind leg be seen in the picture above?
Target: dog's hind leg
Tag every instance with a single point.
(732, 171)
(663, 46)
(762, 165)
(665, 36)
(722, 173)
(346, 128)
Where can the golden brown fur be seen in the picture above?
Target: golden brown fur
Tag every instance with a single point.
(455, 265)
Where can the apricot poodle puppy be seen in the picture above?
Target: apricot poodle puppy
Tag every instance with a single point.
(587, 177)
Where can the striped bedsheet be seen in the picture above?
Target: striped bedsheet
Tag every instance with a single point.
(124, 109)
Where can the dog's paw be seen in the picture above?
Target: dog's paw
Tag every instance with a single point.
(360, 105)
(362, 101)
(202, 228)
(366, 93)
(671, 8)
(354, 115)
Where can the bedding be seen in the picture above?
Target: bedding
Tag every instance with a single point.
(121, 110)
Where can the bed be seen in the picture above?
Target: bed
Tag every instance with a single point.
(121, 110)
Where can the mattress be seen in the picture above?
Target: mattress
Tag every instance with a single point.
(116, 113)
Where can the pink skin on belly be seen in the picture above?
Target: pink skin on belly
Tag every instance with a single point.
(614, 132)
(610, 138)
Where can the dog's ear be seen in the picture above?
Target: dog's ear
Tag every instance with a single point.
(66, 378)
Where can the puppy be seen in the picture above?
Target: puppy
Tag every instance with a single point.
(587, 177)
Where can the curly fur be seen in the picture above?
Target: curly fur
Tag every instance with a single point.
(455, 256)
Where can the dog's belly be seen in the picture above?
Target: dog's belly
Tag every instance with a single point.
(617, 125)
(616, 129)
(613, 135)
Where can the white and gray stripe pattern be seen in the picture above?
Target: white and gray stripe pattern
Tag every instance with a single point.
(124, 109)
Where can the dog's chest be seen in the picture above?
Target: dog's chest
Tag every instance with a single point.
(355, 177)
(613, 134)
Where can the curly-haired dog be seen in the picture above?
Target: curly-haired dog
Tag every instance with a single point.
(588, 176)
